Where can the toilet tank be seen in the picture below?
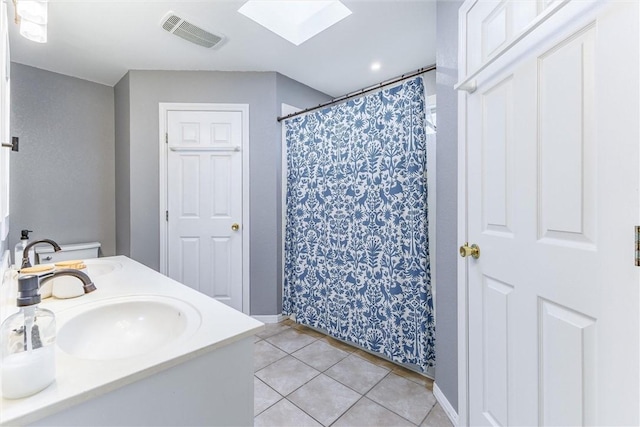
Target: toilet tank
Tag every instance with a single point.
(82, 251)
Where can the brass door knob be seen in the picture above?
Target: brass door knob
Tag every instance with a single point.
(473, 251)
(235, 227)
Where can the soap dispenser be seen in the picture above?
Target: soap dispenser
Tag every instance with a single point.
(19, 249)
(28, 344)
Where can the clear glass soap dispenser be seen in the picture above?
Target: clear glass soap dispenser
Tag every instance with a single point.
(19, 249)
(28, 344)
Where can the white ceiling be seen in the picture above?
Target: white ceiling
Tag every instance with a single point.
(101, 40)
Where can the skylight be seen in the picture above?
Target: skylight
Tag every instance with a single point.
(295, 20)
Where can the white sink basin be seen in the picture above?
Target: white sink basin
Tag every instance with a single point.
(97, 267)
(119, 328)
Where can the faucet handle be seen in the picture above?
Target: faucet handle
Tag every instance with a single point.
(25, 262)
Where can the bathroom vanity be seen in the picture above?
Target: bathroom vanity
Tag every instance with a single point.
(142, 349)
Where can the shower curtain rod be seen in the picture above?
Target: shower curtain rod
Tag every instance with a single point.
(360, 92)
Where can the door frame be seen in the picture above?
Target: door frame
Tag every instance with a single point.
(164, 108)
(463, 305)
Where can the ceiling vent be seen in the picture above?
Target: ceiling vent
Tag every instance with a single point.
(190, 32)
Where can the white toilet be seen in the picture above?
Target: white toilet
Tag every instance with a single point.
(81, 251)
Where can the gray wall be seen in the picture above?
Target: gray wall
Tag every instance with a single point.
(122, 167)
(446, 200)
(62, 179)
(146, 90)
(429, 80)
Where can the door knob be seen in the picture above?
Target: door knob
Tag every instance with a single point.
(235, 227)
(473, 251)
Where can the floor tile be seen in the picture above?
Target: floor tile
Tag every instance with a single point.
(367, 413)
(290, 340)
(308, 331)
(263, 396)
(339, 344)
(324, 399)
(272, 329)
(289, 359)
(378, 361)
(284, 414)
(286, 375)
(437, 418)
(320, 355)
(413, 376)
(265, 354)
(357, 373)
(404, 397)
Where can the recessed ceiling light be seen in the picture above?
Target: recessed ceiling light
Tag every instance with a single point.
(375, 66)
(295, 20)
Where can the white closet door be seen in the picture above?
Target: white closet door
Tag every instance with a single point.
(552, 181)
(205, 202)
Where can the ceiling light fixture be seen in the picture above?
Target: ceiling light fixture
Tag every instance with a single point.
(295, 20)
(32, 17)
(375, 66)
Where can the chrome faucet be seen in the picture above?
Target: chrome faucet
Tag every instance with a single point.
(25, 254)
(87, 284)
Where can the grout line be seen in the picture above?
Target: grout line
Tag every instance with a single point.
(348, 386)
(347, 410)
(254, 397)
(269, 364)
(302, 385)
(428, 413)
(312, 417)
(323, 371)
(389, 409)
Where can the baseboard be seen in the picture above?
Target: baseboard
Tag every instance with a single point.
(270, 318)
(446, 406)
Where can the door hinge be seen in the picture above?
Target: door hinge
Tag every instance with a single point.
(637, 245)
(166, 138)
(166, 215)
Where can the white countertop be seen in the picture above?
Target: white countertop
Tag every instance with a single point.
(78, 380)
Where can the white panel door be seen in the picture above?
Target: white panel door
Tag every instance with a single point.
(205, 202)
(552, 141)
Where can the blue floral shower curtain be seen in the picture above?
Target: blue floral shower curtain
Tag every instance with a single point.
(356, 242)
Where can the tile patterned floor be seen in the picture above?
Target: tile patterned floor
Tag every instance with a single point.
(304, 378)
